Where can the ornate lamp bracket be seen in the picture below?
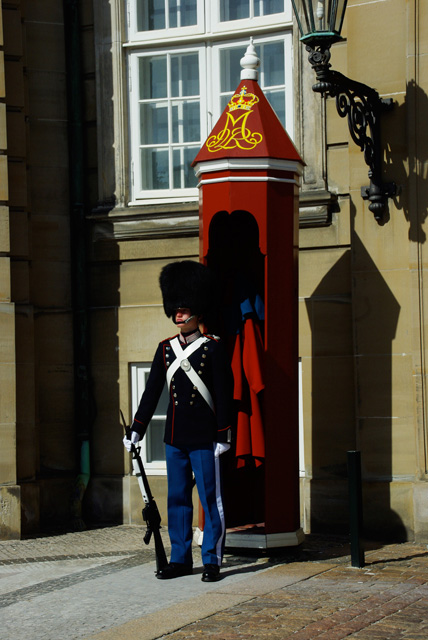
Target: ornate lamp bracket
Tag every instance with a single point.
(362, 106)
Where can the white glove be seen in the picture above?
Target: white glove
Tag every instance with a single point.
(135, 437)
(220, 448)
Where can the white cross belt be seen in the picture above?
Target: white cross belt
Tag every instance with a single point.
(182, 360)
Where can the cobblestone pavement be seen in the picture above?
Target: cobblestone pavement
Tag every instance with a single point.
(100, 585)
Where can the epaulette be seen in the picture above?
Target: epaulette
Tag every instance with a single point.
(213, 337)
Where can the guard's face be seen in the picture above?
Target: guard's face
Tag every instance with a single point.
(183, 314)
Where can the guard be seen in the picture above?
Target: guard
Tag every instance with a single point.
(198, 424)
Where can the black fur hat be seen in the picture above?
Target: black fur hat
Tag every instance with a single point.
(188, 284)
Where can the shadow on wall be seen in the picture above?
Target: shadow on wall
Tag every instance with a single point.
(410, 135)
(353, 316)
(103, 502)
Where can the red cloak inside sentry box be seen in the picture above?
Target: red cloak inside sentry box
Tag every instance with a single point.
(248, 172)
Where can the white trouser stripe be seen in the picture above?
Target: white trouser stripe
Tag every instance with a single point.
(219, 507)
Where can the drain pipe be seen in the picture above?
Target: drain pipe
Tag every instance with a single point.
(83, 400)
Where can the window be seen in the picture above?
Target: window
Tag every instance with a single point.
(152, 19)
(179, 86)
(239, 9)
(153, 15)
(168, 120)
(153, 448)
(229, 15)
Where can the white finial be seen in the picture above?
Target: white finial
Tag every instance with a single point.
(250, 63)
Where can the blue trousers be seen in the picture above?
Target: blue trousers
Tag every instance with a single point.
(180, 463)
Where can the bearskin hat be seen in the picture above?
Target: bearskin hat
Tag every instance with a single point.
(188, 284)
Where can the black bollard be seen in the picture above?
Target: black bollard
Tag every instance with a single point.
(355, 508)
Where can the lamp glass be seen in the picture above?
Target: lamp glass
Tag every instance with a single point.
(319, 20)
(338, 15)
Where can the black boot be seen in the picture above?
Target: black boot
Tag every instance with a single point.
(211, 573)
(174, 570)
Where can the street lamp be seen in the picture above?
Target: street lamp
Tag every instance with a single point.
(320, 23)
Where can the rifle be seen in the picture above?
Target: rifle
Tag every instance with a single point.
(151, 515)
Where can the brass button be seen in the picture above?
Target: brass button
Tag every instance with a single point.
(191, 402)
(176, 402)
(199, 373)
(205, 348)
(193, 395)
(204, 355)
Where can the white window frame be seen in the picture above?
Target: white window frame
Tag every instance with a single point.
(147, 196)
(138, 372)
(207, 22)
(143, 36)
(256, 21)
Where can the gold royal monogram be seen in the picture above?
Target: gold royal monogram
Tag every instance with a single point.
(236, 134)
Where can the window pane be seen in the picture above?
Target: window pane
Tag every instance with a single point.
(186, 122)
(190, 154)
(155, 447)
(272, 57)
(234, 9)
(184, 175)
(182, 13)
(177, 161)
(154, 169)
(150, 15)
(153, 77)
(230, 68)
(153, 124)
(268, 7)
(277, 101)
(223, 102)
(185, 75)
(163, 402)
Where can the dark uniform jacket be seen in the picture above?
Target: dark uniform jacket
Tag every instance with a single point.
(190, 421)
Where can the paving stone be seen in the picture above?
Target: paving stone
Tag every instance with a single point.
(100, 585)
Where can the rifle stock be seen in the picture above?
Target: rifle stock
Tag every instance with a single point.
(151, 515)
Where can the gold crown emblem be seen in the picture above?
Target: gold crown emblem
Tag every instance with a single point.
(242, 100)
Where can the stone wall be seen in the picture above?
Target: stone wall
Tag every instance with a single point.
(363, 294)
